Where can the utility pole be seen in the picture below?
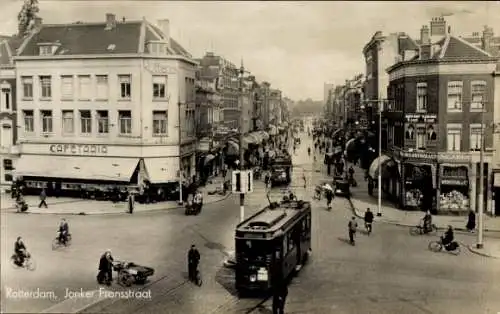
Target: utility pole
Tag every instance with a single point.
(242, 195)
(180, 156)
(480, 213)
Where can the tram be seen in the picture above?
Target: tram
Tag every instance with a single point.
(271, 245)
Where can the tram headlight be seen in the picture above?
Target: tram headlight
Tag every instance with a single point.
(253, 278)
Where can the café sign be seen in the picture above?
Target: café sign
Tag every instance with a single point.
(421, 118)
(79, 149)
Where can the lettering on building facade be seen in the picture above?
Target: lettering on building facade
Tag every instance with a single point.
(78, 149)
(159, 68)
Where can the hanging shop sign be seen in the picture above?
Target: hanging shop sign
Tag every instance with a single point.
(420, 118)
(78, 149)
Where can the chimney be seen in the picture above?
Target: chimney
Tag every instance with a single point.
(110, 21)
(425, 35)
(164, 26)
(438, 28)
(425, 52)
(487, 38)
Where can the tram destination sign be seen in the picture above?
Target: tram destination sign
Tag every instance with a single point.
(78, 149)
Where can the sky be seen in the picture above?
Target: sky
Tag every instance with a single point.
(296, 46)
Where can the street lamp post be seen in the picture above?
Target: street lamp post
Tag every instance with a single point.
(379, 187)
(242, 120)
(180, 156)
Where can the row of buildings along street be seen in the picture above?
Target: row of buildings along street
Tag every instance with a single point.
(129, 97)
(436, 95)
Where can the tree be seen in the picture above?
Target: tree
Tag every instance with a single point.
(26, 17)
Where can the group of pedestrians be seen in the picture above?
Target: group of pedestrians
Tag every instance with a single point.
(352, 226)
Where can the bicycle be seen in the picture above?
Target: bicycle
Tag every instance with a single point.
(29, 262)
(437, 246)
(368, 227)
(419, 230)
(56, 244)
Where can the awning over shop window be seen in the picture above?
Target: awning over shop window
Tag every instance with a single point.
(162, 170)
(385, 162)
(209, 158)
(255, 138)
(272, 130)
(233, 148)
(70, 167)
(264, 135)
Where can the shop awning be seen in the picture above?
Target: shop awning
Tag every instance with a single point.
(209, 158)
(272, 130)
(233, 148)
(70, 167)
(373, 171)
(257, 139)
(264, 135)
(163, 169)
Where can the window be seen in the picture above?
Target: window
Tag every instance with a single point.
(421, 135)
(8, 177)
(7, 164)
(5, 93)
(46, 86)
(125, 120)
(125, 91)
(453, 139)
(455, 96)
(67, 87)
(157, 48)
(45, 50)
(190, 125)
(27, 82)
(421, 96)
(85, 122)
(68, 120)
(102, 87)
(159, 86)
(29, 121)
(102, 122)
(475, 137)
(46, 116)
(478, 91)
(84, 87)
(160, 122)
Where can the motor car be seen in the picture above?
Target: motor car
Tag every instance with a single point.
(342, 187)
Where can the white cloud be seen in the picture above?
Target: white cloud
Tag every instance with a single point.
(295, 45)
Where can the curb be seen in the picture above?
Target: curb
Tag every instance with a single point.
(64, 202)
(475, 251)
(469, 247)
(114, 213)
(353, 208)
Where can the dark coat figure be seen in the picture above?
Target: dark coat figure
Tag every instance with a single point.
(471, 222)
(370, 186)
(280, 292)
(131, 201)
(105, 268)
(193, 261)
(329, 197)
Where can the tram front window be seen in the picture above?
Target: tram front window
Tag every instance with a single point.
(254, 251)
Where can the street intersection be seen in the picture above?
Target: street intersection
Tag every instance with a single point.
(386, 272)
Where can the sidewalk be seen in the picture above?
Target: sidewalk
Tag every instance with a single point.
(75, 206)
(360, 201)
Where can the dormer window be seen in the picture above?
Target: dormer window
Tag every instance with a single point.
(48, 49)
(156, 47)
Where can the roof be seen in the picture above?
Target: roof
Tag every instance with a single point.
(93, 38)
(8, 48)
(406, 43)
(456, 48)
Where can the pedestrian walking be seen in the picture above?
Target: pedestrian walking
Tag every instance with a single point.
(43, 198)
(471, 221)
(329, 197)
(353, 227)
(280, 292)
(131, 201)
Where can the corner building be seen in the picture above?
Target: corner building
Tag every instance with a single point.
(434, 125)
(108, 103)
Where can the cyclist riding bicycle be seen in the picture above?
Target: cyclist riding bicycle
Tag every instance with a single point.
(448, 237)
(20, 250)
(63, 231)
(427, 222)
